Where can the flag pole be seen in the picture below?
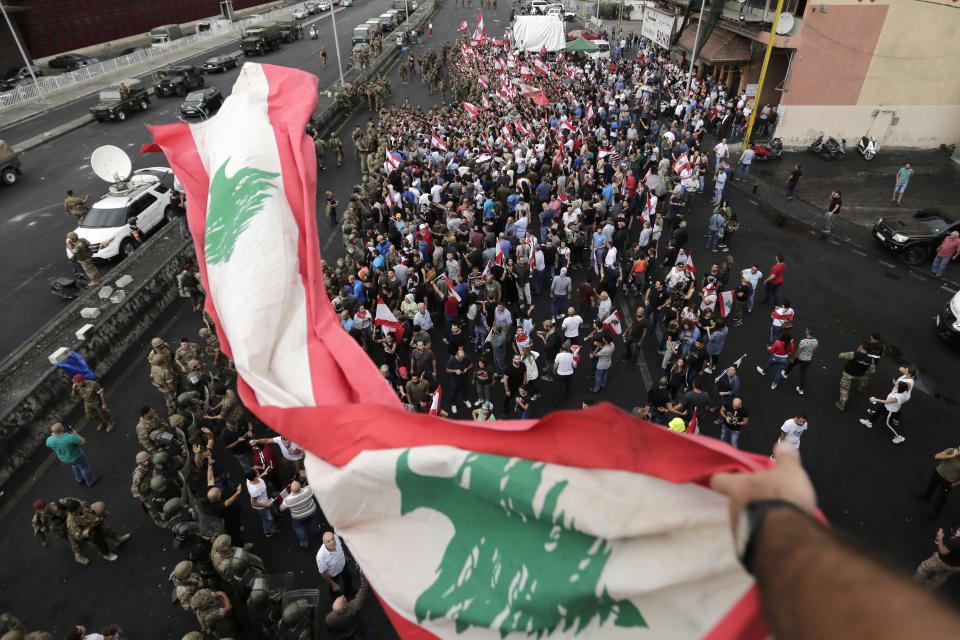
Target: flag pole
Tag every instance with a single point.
(336, 42)
(763, 74)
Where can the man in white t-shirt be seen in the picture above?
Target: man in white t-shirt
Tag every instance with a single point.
(793, 428)
(571, 326)
(261, 502)
(892, 403)
(331, 562)
(563, 368)
(292, 454)
(721, 151)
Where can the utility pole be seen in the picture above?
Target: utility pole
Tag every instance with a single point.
(763, 73)
(336, 41)
(23, 53)
(696, 41)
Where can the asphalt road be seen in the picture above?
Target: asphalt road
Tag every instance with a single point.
(33, 218)
(865, 483)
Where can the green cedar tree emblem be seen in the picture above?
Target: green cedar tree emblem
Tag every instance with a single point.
(509, 566)
(233, 203)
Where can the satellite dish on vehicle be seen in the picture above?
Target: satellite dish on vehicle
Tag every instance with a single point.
(111, 164)
(785, 25)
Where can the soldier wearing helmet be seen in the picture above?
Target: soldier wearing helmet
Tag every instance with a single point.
(85, 525)
(165, 381)
(140, 488)
(80, 252)
(296, 622)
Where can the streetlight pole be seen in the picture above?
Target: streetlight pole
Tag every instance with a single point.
(763, 73)
(696, 41)
(23, 54)
(336, 41)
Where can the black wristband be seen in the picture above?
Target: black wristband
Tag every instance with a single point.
(749, 524)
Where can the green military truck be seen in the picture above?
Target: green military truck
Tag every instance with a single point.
(119, 100)
(290, 30)
(9, 164)
(361, 34)
(177, 80)
(256, 41)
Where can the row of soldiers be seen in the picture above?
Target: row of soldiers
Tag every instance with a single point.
(79, 524)
(167, 365)
(369, 94)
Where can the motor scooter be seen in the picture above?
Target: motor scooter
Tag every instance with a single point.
(830, 149)
(867, 146)
(70, 288)
(764, 152)
(313, 33)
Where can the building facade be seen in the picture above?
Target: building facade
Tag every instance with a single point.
(844, 68)
(48, 27)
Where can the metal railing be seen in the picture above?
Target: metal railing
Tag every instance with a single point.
(51, 84)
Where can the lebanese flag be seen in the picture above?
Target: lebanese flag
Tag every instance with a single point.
(463, 27)
(435, 401)
(590, 112)
(613, 321)
(532, 508)
(394, 159)
(726, 303)
(521, 129)
(682, 164)
(541, 66)
(484, 101)
(482, 81)
(498, 256)
(526, 72)
(480, 30)
(603, 153)
(566, 125)
(450, 289)
(693, 427)
(437, 142)
(523, 340)
(506, 135)
(648, 210)
(471, 109)
(499, 66)
(689, 265)
(739, 361)
(385, 319)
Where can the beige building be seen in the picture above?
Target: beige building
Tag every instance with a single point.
(845, 68)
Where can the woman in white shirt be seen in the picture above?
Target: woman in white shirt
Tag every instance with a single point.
(892, 403)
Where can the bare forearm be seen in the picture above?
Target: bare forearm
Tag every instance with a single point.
(814, 586)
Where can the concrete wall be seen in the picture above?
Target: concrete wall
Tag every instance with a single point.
(36, 394)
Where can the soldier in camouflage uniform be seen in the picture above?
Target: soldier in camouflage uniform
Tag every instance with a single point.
(94, 402)
(443, 90)
(85, 525)
(186, 352)
(360, 144)
(161, 348)
(220, 555)
(149, 422)
(81, 254)
(76, 206)
(335, 144)
(164, 381)
(858, 365)
(51, 517)
(143, 473)
(186, 582)
(214, 613)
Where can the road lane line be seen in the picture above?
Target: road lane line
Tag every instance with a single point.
(887, 264)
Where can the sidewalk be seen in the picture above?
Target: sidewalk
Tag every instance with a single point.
(865, 187)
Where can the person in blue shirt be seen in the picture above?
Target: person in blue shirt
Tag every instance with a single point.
(543, 192)
(379, 262)
(345, 320)
(513, 199)
(607, 193)
(727, 387)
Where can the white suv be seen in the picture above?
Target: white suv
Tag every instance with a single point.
(105, 226)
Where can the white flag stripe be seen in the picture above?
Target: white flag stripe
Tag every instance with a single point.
(681, 594)
(259, 299)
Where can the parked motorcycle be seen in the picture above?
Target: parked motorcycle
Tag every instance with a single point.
(830, 149)
(313, 33)
(70, 288)
(764, 152)
(867, 146)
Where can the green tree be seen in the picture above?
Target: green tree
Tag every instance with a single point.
(233, 203)
(508, 566)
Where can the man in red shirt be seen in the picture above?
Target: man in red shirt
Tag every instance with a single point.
(948, 250)
(774, 280)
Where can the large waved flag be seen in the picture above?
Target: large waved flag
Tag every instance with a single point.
(564, 527)
(438, 142)
(471, 109)
(394, 159)
(385, 319)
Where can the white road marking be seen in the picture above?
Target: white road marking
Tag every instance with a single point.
(888, 265)
(858, 252)
(20, 217)
(948, 289)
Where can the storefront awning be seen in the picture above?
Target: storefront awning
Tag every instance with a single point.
(723, 47)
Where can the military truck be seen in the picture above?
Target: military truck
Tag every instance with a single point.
(361, 34)
(120, 99)
(258, 40)
(9, 164)
(403, 6)
(165, 33)
(177, 80)
(290, 30)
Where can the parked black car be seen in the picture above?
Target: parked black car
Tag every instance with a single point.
(201, 103)
(64, 61)
(220, 63)
(915, 238)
